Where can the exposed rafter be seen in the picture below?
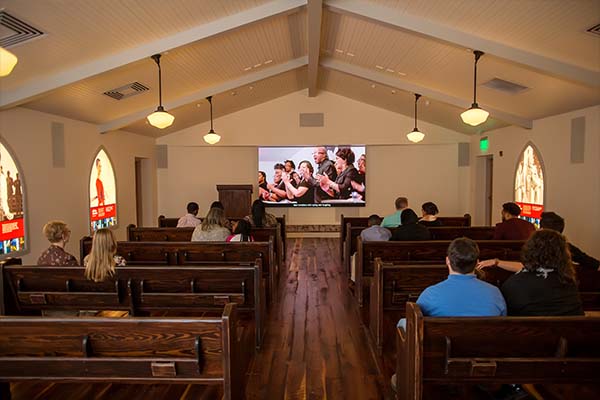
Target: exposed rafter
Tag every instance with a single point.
(394, 82)
(204, 93)
(315, 13)
(446, 34)
(48, 83)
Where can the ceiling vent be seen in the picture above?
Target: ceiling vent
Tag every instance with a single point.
(126, 91)
(505, 86)
(13, 31)
(594, 30)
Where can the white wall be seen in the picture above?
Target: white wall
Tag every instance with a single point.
(423, 172)
(62, 193)
(572, 190)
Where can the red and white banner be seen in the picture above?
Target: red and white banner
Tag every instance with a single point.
(14, 228)
(531, 210)
(97, 213)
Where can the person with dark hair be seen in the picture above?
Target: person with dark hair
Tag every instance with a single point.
(305, 192)
(546, 285)
(190, 219)
(375, 232)
(551, 220)
(289, 166)
(429, 218)
(241, 232)
(341, 188)
(260, 217)
(410, 229)
(359, 185)
(263, 190)
(277, 188)
(324, 167)
(393, 220)
(512, 227)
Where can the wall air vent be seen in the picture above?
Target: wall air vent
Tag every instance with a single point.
(505, 86)
(126, 91)
(13, 31)
(594, 30)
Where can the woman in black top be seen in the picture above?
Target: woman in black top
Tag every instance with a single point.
(342, 187)
(305, 192)
(430, 212)
(546, 286)
(409, 228)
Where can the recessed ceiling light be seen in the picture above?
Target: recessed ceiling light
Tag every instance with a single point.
(233, 93)
(389, 70)
(247, 68)
(251, 87)
(378, 67)
(427, 102)
(257, 65)
(393, 92)
(268, 62)
(373, 86)
(339, 51)
(198, 105)
(350, 54)
(401, 73)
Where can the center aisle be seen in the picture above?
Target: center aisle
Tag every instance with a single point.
(315, 346)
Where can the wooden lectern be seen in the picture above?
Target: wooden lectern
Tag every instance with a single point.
(237, 199)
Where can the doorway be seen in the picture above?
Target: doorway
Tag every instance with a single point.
(484, 190)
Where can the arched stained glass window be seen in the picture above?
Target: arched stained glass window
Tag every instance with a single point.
(12, 216)
(103, 192)
(529, 184)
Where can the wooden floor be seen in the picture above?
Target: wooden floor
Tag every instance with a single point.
(315, 346)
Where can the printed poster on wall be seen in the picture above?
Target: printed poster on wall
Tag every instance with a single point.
(529, 186)
(12, 234)
(103, 193)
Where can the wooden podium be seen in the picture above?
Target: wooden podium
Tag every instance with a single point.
(237, 199)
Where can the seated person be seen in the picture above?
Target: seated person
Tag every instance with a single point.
(546, 286)
(429, 217)
(58, 234)
(551, 220)
(212, 228)
(241, 232)
(512, 227)
(393, 221)
(410, 229)
(375, 232)
(100, 263)
(224, 221)
(190, 219)
(260, 217)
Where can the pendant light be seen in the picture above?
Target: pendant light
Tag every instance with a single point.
(211, 137)
(7, 61)
(415, 135)
(475, 115)
(160, 118)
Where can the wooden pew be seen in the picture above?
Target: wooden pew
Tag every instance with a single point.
(202, 351)
(164, 222)
(419, 252)
(153, 234)
(362, 222)
(197, 253)
(140, 290)
(494, 350)
(437, 233)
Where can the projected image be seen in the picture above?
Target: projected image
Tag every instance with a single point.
(103, 193)
(12, 235)
(316, 176)
(529, 186)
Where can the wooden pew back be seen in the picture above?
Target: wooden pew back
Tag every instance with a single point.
(495, 350)
(125, 350)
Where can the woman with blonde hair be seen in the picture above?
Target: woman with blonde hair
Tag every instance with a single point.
(58, 234)
(212, 228)
(100, 263)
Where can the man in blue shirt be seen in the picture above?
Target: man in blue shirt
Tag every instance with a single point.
(375, 232)
(393, 220)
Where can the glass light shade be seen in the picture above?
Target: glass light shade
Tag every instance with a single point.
(474, 115)
(160, 118)
(415, 136)
(212, 138)
(7, 62)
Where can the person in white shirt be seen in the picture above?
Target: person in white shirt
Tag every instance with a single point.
(190, 219)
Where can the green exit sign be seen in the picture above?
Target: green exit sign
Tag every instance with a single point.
(484, 144)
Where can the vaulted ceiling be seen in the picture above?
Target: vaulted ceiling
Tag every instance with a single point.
(245, 52)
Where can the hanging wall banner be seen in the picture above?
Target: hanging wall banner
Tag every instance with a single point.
(103, 193)
(12, 223)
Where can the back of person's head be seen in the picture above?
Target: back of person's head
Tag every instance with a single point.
(430, 208)
(56, 231)
(551, 220)
(100, 263)
(214, 218)
(401, 202)
(408, 217)
(258, 213)
(193, 208)
(243, 228)
(511, 208)
(346, 154)
(547, 249)
(217, 204)
(374, 219)
(463, 254)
